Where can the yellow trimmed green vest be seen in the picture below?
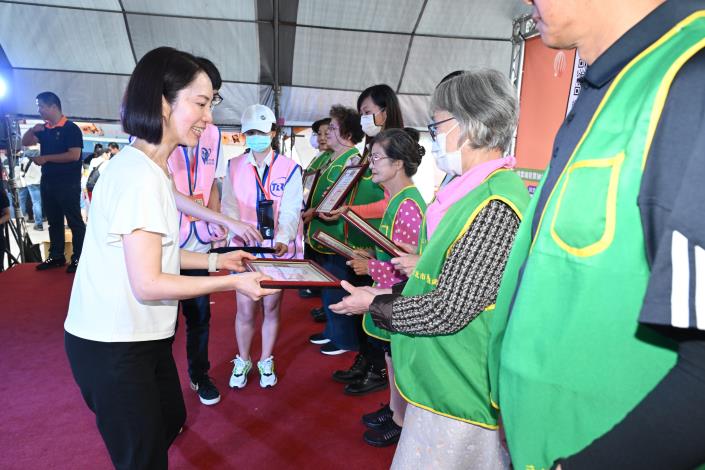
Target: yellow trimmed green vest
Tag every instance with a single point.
(387, 228)
(319, 161)
(448, 374)
(572, 360)
(328, 176)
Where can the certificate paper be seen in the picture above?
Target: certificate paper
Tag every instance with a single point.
(309, 182)
(342, 186)
(339, 247)
(292, 273)
(372, 233)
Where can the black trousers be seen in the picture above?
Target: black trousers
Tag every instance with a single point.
(197, 313)
(134, 391)
(61, 200)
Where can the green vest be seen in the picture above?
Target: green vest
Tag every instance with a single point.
(574, 359)
(448, 374)
(365, 192)
(319, 161)
(387, 228)
(326, 179)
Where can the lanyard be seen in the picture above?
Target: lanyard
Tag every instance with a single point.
(262, 182)
(192, 173)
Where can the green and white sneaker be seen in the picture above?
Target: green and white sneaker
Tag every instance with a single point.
(238, 379)
(267, 377)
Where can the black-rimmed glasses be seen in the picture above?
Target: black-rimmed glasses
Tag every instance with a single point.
(433, 127)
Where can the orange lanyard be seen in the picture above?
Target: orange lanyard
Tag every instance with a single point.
(262, 182)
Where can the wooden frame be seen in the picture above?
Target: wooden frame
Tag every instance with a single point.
(309, 181)
(339, 247)
(372, 233)
(343, 185)
(292, 274)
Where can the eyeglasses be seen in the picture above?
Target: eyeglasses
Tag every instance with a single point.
(332, 128)
(433, 127)
(217, 99)
(376, 158)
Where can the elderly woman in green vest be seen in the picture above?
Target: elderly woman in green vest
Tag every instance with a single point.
(439, 320)
(344, 132)
(394, 158)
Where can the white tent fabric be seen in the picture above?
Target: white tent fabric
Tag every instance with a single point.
(328, 51)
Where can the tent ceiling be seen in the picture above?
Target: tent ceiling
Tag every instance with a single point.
(329, 50)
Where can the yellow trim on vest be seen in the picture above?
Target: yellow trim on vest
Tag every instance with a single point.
(610, 206)
(491, 427)
(477, 210)
(386, 340)
(608, 94)
(662, 94)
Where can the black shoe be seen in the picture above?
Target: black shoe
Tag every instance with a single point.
(50, 263)
(72, 267)
(39, 227)
(356, 371)
(379, 418)
(318, 338)
(383, 437)
(318, 315)
(207, 392)
(330, 349)
(372, 381)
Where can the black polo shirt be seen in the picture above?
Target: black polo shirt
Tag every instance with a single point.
(57, 140)
(672, 195)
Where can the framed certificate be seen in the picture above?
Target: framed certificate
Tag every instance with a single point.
(340, 189)
(372, 233)
(309, 182)
(292, 274)
(339, 247)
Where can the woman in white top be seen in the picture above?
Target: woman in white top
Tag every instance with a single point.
(123, 309)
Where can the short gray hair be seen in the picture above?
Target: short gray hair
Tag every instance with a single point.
(485, 105)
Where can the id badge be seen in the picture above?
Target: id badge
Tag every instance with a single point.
(198, 199)
(265, 218)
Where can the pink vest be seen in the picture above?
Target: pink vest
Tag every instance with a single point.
(245, 187)
(198, 182)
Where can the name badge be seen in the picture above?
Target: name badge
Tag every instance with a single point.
(198, 199)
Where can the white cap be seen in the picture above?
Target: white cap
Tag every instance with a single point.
(257, 117)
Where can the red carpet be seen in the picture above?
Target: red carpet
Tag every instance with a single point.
(304, 422)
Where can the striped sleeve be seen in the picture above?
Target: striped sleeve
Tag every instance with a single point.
(676, 292)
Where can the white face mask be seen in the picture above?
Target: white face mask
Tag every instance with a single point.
(449, 162)
(367, 122)
(314, 140)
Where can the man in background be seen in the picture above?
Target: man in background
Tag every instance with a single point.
(60, 143)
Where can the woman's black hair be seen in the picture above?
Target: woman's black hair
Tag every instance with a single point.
(402, 145)
(212, 72)
(349, 122)
(161, 72)
(384, 97)
(321, 122)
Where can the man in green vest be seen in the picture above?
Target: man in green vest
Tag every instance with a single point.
(598, 351)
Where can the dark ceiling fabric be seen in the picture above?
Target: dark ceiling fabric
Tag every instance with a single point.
(288, 10)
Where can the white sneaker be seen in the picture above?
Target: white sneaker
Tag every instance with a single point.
(238, 379)
(267, 377)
